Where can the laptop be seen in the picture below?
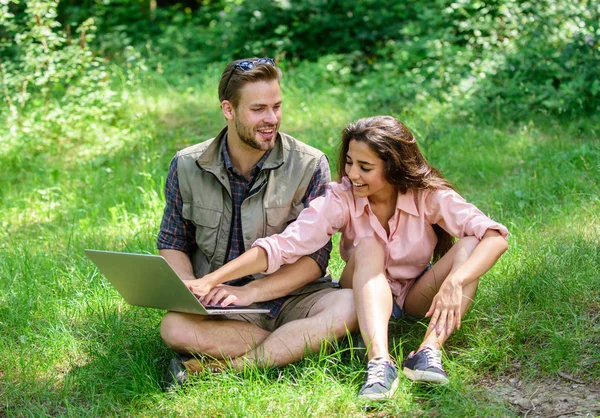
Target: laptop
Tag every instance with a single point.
(149, 281)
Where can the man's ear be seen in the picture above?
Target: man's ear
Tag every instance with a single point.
(227, 109)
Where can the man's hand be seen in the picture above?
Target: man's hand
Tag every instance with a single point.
(446, 307)
(225, 295)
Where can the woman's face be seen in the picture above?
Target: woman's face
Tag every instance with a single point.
(366, 171)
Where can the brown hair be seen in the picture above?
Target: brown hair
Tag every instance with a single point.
(234, 79)
(405, 166)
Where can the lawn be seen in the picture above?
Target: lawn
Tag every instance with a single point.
(72, 347)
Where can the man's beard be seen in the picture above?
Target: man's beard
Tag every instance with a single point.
(248, 136)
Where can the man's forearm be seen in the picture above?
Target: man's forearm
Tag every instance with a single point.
(180, 262)
(284, 281)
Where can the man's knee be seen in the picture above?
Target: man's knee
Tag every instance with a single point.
(338, 309)
(173, 330)
(345, 312)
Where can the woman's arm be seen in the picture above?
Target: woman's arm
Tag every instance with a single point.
(483, 257)
(251, 262)
(310, 231)
(446, 309)
(287, 279)
(458, 217)
(461, 219)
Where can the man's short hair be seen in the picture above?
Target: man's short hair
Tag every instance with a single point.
(234, 79)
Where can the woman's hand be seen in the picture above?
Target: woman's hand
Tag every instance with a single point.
(224, 295)
(201, 287)
(445, 309)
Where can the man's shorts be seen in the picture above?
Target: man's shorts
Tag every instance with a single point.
(297, 306)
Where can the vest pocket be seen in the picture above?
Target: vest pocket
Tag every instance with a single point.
(207, 224)
(279, 218)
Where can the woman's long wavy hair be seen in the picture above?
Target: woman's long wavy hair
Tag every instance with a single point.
(405, 166)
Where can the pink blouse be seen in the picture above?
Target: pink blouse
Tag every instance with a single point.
(411, 241)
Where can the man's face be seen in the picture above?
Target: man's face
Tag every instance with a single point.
(258, 114)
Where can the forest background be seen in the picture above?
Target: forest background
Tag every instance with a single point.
(97, 96)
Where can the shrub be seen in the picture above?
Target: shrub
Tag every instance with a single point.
(44, 67)
(553, 66)
(52, 81)
(512, 55)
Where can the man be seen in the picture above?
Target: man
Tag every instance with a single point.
(221, 195)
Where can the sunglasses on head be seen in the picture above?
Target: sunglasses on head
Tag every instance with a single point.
(247, 65)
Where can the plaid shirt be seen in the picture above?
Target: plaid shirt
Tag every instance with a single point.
(178, 233)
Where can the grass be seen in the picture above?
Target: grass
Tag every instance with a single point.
(72, 347)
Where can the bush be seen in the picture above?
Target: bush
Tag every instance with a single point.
(501, 54)
(309, 29)
(52, 80)
(553, 67)
(509, 57)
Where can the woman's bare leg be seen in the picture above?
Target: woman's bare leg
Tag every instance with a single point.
(421, 294)
(365, 274)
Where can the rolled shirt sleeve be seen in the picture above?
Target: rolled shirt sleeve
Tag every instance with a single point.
(448, 209)
(312, 230)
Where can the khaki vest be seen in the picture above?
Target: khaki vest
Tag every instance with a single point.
(274, 201)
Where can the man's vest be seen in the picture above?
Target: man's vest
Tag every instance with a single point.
(274, 201)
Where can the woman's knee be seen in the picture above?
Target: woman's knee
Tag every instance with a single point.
(467, 244)
(371, 249)
(368, 247)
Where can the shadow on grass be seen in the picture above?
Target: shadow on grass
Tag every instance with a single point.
(122, 362)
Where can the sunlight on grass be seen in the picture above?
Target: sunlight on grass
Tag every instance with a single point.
(316, 118)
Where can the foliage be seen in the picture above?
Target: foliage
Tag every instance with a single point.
(310, 29)
(75, 125)
(553, 66)
(509, 58)
(120, 23)
(52, 81)
(506, 57)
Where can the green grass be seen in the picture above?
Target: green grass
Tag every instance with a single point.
(72, 347)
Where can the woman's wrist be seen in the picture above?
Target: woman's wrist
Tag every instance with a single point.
(213, 279)
(457, 281)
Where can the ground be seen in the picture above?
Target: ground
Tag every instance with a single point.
(560, 396)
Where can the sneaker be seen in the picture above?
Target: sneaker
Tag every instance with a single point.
(181, 366)
(425, 366)
(381, 380)
(176, 374)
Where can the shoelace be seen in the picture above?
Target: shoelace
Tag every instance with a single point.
(434, 357)
(375, 372)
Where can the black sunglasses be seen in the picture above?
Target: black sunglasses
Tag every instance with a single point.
(248, 65)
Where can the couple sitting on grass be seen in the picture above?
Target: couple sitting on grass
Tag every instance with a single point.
(397, 216)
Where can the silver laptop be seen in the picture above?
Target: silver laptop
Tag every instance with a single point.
(148, 280)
